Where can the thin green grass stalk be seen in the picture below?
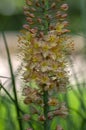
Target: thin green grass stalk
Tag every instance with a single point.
(8, 94)
(1, 86)
(13, 81)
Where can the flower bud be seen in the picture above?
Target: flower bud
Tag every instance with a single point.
(31, 15)
(29, 19)
(26, 117)
(64, 7)
(59, 127)
(53, 5)
(43, 1)
(39, 20)
(65, 23)
(37, 4)
(42, 118)
(33, 30)
(27, 100)
(28, 2)
(41, 35)
(26, 26)
(25, 8)
(29, 129)
(50, 116)
(63, 15)
(33, 9)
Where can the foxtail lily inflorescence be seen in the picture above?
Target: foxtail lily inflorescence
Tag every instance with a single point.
(44, 45)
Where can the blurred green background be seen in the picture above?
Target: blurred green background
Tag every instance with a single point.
(12, 19)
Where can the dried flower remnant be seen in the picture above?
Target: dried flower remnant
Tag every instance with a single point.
(44, 46)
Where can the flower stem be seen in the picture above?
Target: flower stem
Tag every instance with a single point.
(46, 109)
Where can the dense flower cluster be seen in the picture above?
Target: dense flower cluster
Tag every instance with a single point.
(44, 46)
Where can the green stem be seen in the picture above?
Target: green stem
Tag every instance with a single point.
(46, 27)
(46, 109)
(13, 81)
